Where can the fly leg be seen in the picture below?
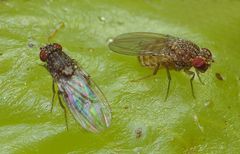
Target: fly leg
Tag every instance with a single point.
(191, 80)
(169, 83)
(54, 93)
(155, 70)
(63, 107)
(199, 78)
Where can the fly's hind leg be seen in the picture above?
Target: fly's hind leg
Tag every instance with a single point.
(191, 80)
(169, 83)
(54, 93)
(64, 108)
(155, 70)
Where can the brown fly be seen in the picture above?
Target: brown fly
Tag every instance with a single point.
(158, 51)
(79, 92)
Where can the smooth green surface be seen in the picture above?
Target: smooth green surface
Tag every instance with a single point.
(208, 124)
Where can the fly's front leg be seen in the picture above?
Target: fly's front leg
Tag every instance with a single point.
(199, 77)
(155, 70)
(63, 107)
(191, 80)
(169, 83)
(54, 93)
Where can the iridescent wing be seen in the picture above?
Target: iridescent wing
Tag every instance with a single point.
(139, 43)
(85, 101)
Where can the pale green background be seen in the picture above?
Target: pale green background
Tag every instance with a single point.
(209, 124)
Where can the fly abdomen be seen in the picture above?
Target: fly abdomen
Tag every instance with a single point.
(149, 61)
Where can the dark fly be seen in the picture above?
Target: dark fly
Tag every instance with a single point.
(81, 95)
(158, 51)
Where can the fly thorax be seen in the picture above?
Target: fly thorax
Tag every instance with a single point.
(182, 51)
(68, 71)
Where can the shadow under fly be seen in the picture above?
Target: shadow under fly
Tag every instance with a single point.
(158, 51)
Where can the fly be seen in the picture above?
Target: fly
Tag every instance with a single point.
(81, 95)
(158, 51)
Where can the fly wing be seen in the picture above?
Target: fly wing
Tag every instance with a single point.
(139, 43)
(86, 102)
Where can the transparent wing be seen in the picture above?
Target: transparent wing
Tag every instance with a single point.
(138, 43)
(86, 102)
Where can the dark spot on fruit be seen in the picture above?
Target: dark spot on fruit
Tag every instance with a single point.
(219, 76)
(138, 132)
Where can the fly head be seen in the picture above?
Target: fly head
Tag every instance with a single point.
(202, 61)
(48, 50)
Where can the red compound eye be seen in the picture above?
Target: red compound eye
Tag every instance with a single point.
(200, 64)
(43, 55)
(57, 46)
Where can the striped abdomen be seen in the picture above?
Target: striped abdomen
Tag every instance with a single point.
(150, 61)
